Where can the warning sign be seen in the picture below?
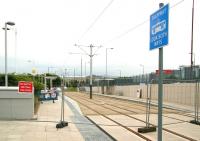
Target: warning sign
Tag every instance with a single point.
(25, 87)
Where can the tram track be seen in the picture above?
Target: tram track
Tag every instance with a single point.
(154, 108)
(105, 116)
(124, 107)
(83, 99)
(133, 112)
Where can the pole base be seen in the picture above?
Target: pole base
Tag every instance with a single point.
(195, 122)
(90, 91)
(146, 129)
(62, 124)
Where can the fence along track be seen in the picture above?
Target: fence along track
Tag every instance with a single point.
(175, 91)
(167, 130)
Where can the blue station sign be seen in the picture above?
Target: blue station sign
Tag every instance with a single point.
(159, 28)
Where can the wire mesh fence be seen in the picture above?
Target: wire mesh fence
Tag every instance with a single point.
(182, 92)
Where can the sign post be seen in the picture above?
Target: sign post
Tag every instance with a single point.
(158, 39)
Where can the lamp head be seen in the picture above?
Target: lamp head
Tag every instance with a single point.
(5, 28)
(10, 23)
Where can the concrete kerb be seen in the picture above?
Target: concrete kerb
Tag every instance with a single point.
(84, 125)
(74, 104)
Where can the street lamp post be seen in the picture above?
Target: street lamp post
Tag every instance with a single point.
(74, 74)
(64, 77)
(67, 75)
(107, 61)
(107, 68)
(15, 51)
(49, 69)
(191, 69)
(85, 69)
(6, 73)
(142, 70)
(33, 69)
(81, 68)
(81, 64)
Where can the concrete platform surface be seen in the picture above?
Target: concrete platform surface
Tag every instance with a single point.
(44, 128)
(183, 128)
(82, 129)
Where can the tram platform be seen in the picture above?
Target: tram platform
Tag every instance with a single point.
(43, 127)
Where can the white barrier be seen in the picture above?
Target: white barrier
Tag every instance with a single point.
(14, 105)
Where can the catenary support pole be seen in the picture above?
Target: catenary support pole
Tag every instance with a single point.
(91, 55)
(191, 69)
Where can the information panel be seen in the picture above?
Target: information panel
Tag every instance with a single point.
(159, 28)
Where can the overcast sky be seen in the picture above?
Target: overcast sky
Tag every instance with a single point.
(46, 31)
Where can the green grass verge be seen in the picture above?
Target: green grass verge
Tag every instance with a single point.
(71, 89)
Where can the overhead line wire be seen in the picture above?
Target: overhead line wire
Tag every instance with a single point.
(137, 26)
(97, 18)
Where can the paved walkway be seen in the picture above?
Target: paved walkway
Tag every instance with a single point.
(44, 128)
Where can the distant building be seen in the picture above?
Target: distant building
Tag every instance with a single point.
(187, 74)
(197, 72)
(177, 74)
